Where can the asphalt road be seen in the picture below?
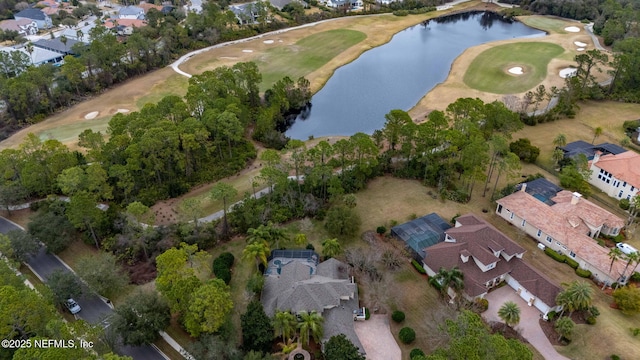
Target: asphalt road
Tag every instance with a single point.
(94, 310)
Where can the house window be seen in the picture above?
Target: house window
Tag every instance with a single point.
(608, 181)
(624, 184)
(549, 239)
(620, 193)
(629, 197)
(539, 232)
(572, 254)
(615, 183)
(499, 209)
(523, 222)
(491, 266)
(632, 188)
(511, 216)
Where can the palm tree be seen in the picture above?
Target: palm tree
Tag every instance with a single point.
(268, 233)
(633, 257)
(579, 295)
(564, 300)
(560, 140)
(300, 239)
(257, 250)
(310, 325)
(331, 248)
(596, 132)
(30, 49)
(509, 313)
(557, 155)
(564, 327)
(284, 324)
(446, 279)
(614, 254)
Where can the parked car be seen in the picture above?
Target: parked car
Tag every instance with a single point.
(626, 248)
(73, 306)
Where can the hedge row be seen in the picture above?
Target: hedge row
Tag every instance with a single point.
(583, 273)
(222, 266)
(563, 258)
(571, 262)
(418, 267)
(555, 255)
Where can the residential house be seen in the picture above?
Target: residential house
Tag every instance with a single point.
(572, 150)
(295, 281)
(245, 13)
(279, 4)
(421, 233)
(51, 7)
(487, 257)
(131, 13)
(38, 56)
(124, 27)
(618, 175)
(42, 20)
(57, 45)
(22, 26)
(566, 223)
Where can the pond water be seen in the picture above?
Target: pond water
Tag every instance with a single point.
(399, 73)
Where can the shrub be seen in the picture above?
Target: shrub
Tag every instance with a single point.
(555, 255)
(635, 331)
(398, 316)
(628, 299)
(310, 247)
(591, 320)
(367, 314)
(401, 12)
(381, 230)
(583, 273)
(551, 315)
(222, 267)
(615, 357)
(418, 267)
(624, 204)
(571, 262)
(635, 276)
(407, 335)
(525, 151)
(483, 304)
(416, 352)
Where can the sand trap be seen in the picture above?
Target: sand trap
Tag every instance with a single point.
(572, 29)
(123, 111)
(579, 44)
(568, 72)
(91, 115)
(517, 70)
(247, 51)
(268, 41)
(279, 40)
(580, 49)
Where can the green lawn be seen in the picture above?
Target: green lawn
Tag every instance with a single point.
(306, 55)
(546, 23)
(488, 71)
(174, 84)
(69, 132)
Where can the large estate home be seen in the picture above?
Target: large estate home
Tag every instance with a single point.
(567, 223)
(487, 257)
(295, 281)
(573, 149)
(618, 175)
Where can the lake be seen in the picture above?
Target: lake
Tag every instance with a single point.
(399, 73)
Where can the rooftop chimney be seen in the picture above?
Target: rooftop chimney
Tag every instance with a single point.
(596, 156)
(523, 187)
(576, 197)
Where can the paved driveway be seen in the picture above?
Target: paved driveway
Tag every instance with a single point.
(376, 338)
(529, 327)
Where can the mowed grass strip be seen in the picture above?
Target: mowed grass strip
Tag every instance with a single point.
(488, 72)
(306, 55)
(547, 23)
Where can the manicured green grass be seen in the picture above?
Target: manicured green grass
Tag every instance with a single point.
(69, 132)
(488, 72)
(306, 56)
(546, 23)
(175, 84)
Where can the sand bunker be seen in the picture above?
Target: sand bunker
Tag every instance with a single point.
(579, 44)
(123, 111)
(268, 41)
(247, 51)
(568, 72)
(91, 115)
(580, 49)
(572, 29)
(517, 70)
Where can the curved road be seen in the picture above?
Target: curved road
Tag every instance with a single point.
(94, 309)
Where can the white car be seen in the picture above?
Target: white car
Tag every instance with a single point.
(73, 306)
(626, 248)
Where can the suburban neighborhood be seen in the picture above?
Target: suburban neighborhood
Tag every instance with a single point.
(319, 179)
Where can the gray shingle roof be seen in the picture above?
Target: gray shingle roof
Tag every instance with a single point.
(35, 14)
(56, 45)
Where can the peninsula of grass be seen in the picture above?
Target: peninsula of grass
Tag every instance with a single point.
(546, 23)
(306, 55)
(489, 71)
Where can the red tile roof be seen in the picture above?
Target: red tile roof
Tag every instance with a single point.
(625, 166)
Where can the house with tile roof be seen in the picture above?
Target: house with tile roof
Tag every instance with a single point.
(567, 223)
(487, 257)
(22, 26)
(299, 283)
(618, 175)
(42, 20)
